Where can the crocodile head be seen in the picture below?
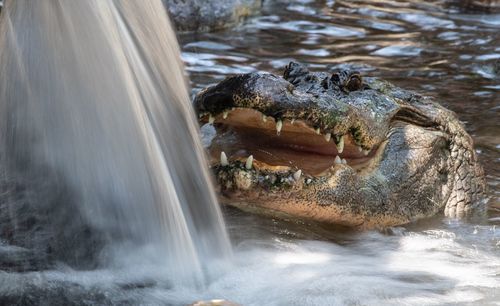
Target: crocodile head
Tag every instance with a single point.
(338, 148)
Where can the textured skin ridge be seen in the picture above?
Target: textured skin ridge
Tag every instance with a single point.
(468, 182)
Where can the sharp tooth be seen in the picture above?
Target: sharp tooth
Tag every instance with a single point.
(297, 175)
(328, 136)
(264, 118)
(249, 162)
(360, 149)
(211, 119)
(279, 125)
(223, 159)
(338, 160)
(340, 145)
(308, 181)
(292, 121)
(224, 114)
(317, 131)
(344, 161)
(366, 152)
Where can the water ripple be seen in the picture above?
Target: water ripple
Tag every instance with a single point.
(426, 46)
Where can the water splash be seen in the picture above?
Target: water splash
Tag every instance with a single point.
(95, 116)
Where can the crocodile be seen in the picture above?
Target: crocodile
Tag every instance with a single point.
(337, 147)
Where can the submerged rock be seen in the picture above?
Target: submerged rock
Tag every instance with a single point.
(207, 15)
(39, 226)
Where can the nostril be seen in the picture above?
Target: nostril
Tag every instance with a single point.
(355, 82)
(347, 80)
(324, 83)
(335, 78)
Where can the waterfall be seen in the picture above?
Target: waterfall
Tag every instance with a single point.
(96, 124)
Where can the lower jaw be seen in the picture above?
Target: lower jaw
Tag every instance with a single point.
(302, 211)
(278, 191)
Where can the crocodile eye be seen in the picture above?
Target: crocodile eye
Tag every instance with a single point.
(355, 82)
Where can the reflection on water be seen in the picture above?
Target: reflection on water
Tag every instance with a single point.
(430, 47)
(425, 46)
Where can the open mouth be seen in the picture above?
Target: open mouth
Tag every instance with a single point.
(264, 143)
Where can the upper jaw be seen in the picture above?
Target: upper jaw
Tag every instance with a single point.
(365, 115)
(360, 115)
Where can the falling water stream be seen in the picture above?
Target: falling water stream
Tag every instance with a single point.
(97, 128)
(98, 108)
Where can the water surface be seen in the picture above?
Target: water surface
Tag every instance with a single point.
(430, 47)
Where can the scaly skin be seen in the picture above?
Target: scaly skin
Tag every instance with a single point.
(424, 162)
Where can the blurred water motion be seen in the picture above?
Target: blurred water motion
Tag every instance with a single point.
(97, 128)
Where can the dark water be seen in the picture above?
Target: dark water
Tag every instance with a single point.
(428, 46)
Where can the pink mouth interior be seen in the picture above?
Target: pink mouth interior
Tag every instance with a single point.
(244, 133)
